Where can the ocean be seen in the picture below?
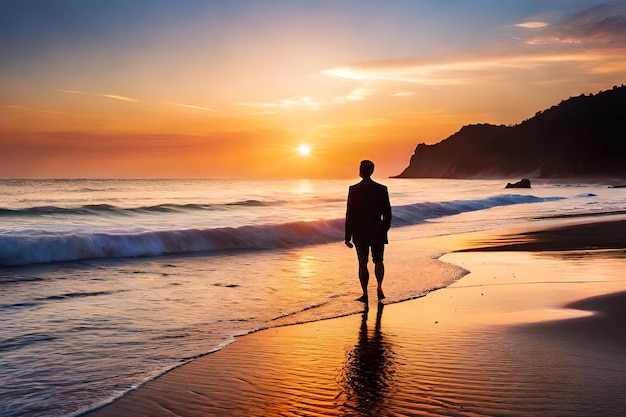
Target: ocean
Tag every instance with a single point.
(107, 284)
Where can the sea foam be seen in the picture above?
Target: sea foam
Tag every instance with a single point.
(45, 248)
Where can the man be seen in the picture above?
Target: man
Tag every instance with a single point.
(368, 218)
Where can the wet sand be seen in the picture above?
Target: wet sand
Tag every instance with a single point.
(531, 331)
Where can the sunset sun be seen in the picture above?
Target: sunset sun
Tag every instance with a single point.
(304, 150)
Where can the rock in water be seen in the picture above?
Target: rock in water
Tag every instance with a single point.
(523, 183)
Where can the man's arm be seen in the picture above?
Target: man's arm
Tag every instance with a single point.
(348, 224)
(387, 211)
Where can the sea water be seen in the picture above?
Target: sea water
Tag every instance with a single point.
(105, 284)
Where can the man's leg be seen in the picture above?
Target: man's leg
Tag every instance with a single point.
(362, 252)
(379, 268)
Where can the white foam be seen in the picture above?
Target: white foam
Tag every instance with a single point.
(45, 248)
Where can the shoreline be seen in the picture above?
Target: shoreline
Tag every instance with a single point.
(597, 234)
(447, 353)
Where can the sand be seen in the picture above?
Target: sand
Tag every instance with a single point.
(535, 329)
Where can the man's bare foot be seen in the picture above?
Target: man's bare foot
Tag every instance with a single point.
(362, 299)
(381, 294)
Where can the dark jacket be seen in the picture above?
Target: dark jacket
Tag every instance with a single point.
(368, 213)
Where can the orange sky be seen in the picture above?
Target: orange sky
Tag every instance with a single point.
(211, 90)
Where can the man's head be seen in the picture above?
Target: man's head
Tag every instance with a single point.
(366, 169)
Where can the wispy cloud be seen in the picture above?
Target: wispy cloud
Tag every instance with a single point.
(190, 106)
(134, 100)
(409, 71)
(404, 94)
(603, 24)
(33, 109)
(301, 103)
(60, 90)
(466, 70)
(111, 96)
(365, 90)
(532, 25)
(116, 97)
(601, 30)
(347, 99)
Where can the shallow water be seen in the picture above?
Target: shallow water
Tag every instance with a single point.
(474, 348)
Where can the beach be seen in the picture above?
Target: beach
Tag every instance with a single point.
(187, 188)
(534, 329)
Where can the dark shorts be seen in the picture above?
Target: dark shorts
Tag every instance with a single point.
(363, 250)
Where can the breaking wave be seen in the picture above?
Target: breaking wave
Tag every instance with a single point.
(45, 248)
(108, 209)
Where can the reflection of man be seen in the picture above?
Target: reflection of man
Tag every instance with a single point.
(368, 218)
(367, 373)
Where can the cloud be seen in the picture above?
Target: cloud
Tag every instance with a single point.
(134, 100)
(33, 109)
(306, 103)
(466, 70)
(116, 97)
(589, 43)
(347, 99)
(301, 103)
(532, 25)
(190, 106)
(365, 90)
(111, 96)
(59, 90)
(407, 70)
(603, 24)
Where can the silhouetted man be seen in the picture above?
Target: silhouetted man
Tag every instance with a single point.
(368, 218)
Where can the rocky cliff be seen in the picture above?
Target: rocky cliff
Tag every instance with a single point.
(583, 136)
